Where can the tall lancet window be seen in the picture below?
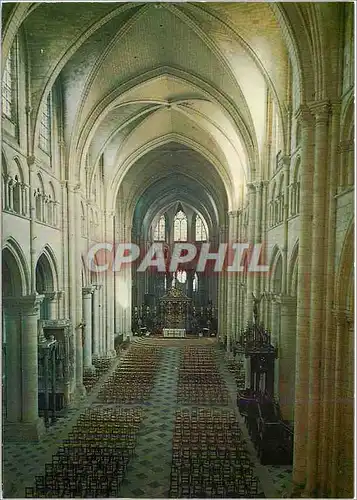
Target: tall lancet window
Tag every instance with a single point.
(159, 233)
(180, 226)
(9, 85)
(45, 127)
(201, 233)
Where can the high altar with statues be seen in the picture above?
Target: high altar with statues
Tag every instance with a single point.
(175, 309)
(175, 316)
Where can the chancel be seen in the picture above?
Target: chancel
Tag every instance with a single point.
(177, 249)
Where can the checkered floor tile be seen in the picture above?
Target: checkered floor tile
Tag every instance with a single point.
(148, 474)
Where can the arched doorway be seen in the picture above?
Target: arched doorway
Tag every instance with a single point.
(14, 286)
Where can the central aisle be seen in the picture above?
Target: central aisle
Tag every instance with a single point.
(148, 474)
(169, 407)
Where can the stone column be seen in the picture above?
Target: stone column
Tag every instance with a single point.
(251, 240)
(24, 192)
(258, 230)
(13, 360)
(303, 302)
(11, 193)
(31, 427)
(72, 270)
(341, 455)
(96, 323)
(222, 325)
(317, 291)
(235, 280)
(5, 192)
(52, 298)
(87, 329)
(328, 350)
(286, 357)
(230, 283)
(78, 288)
(110, 351)
(275, 340)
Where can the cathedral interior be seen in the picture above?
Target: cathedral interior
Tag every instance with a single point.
(219, 136)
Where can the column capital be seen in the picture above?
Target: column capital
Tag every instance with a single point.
(88, 290)
(29, 304)
(303, 114)
(251, 186)
(321, 110)
(96, 286)
(233, 213)
(73, 187)
(50, 295)
(258, 185)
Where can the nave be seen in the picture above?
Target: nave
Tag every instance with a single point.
(161, 423)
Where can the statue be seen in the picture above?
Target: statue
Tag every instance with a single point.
(256, 303)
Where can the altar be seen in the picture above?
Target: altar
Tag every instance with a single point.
(174, 332)
(175, 308)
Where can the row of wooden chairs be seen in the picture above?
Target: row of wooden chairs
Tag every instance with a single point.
(188, 394)
(199, 382)
(209, 457)
(132, 381)
(92, 461)
(90, 378)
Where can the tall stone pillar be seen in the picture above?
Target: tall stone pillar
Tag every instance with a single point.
(109, 326)
(258, 230)
(303, 302)
(275, 340)
(329, 348)
(222, 315)
(13, 361)
(101, 339)
(30, 427)
(251, 240)
(235, 280)
(96, 323)
(30, 308)
(342, 449)
(230, 282)
(87, 329)
(287, 355)
(321, 113)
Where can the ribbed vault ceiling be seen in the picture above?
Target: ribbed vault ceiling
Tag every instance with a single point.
(136, 77)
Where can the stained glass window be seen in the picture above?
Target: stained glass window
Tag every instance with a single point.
(8, 85)
(180, 226)
(159, 233)
(201, 233)
(45, 127)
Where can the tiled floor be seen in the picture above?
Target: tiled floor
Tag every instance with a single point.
(149, 471)
(148, 475)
